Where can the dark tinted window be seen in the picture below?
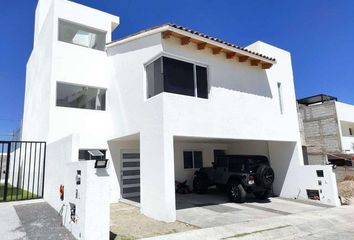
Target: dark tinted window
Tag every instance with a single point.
(202, 82)
(178, 77)
(75, 96)
(222, 162)
(255, 161)
(236, 165)
(198, 159)
(188, 159)
(154, 78)
(175, 76)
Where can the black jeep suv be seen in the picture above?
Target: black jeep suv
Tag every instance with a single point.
(238, 175)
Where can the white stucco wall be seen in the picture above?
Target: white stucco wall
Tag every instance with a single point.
(345, 114)
(93, 199)
(53, 61)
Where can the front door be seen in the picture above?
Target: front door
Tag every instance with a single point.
(130, 174)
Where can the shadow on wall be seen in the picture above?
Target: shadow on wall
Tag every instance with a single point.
(281, 154)
(136, 45)
(251, 80)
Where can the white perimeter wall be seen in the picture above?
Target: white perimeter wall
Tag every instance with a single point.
(92, 202)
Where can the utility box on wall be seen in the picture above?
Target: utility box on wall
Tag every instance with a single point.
(87, 203)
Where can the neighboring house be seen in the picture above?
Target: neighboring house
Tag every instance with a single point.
(328, 130)
(159, 103)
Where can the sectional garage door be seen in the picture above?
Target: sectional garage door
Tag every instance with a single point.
(130, 174)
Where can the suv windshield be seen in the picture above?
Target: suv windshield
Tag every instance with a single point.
(236, 165)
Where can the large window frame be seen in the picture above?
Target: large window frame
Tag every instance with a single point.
(178, 58)
(83, 29)
(61, 105)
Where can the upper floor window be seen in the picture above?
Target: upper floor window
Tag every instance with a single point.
(175, 76)
(76, 96)
(81, 35)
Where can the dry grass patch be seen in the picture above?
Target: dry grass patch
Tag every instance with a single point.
(348, 178)
(128, 223)
(346, 192)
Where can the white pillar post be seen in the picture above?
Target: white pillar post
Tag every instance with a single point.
(157, 181)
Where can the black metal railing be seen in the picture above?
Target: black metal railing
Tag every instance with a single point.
(22, 165)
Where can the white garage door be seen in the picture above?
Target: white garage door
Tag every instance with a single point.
(130, 174)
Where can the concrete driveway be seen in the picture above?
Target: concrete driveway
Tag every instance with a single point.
(274, 219)
(214, 209)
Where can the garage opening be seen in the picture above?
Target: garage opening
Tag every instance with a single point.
(216, 157)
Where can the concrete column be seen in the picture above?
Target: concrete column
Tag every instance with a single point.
(157, 178)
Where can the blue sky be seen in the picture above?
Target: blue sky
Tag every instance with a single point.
(318, 33)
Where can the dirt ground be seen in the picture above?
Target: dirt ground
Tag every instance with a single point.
(346, 191)
(127, 223)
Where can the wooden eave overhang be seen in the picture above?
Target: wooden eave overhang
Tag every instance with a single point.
(202, 42)
(230, 52)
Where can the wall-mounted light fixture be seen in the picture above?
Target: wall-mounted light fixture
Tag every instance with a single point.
(101, 163)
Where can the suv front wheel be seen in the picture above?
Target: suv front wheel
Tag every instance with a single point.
(236, 192)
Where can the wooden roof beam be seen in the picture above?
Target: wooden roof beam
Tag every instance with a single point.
(255, 62)
(230, 55)
(266, 65)
(185, 40)
(201, 46)
(216, 50)
(243, 58)
(166, 34)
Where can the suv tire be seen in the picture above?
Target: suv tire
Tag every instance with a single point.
(262, 195)
(236, 192)
(265, 176)
(200, 184)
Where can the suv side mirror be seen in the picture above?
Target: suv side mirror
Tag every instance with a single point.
(213, 164)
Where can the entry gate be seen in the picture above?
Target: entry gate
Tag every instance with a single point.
(22, 165)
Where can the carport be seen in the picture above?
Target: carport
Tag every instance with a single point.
(214, 208)
(148, 166)
(192, 153)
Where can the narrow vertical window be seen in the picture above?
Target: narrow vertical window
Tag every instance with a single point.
(202, 82)
(350, 131)
(280, 95)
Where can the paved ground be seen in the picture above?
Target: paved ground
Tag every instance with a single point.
(318, 223)
(10, 224)
(32, 220)
(214, 209)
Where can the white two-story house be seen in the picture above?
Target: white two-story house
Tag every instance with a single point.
(160, 102)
